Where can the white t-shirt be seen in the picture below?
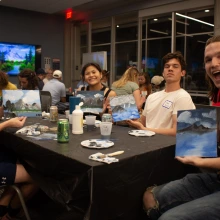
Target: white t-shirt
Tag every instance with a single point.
(161, 106)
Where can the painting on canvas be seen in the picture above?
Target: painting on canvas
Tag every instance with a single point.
(21, 103)
(197, 132)
(123, 108)
(92, 101)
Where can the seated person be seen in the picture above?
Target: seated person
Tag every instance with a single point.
(105, 78)
(40, 75)
(28, 80)
(13, 173)
(158, 83)
(144, 85)
(160, 112)
(128, 84)
(49, 75)
(56, 88)
(196, 196)
(5, 84)
(92, 74)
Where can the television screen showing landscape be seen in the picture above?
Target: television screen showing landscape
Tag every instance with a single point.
(16, 57)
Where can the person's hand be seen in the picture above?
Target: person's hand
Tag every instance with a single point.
(135, 123)
(106, 105)
(16, 122)
(191, 160)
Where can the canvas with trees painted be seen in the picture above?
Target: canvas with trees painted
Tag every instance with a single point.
(197, 132)
(124, 108)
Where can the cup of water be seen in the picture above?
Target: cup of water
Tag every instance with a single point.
(106, 129)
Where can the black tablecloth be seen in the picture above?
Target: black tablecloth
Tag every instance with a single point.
(111, 191)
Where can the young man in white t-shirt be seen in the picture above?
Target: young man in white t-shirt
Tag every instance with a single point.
(160, 112)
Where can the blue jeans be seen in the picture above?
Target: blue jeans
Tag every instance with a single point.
(195, 197)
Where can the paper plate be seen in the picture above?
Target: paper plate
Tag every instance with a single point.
(141, 133)
(97, 143)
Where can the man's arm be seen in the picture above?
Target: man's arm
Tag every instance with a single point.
(213, 163)
(14, 122)
(166, 131)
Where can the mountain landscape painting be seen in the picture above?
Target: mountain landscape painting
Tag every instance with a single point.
(197, 132)
(21, 103)
(124, 108)
(92, 101)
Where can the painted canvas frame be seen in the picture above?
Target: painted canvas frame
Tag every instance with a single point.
(21, 103)
(197, 132)
(124, 108)
(92, 101)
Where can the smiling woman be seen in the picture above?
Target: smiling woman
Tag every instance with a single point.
(92, 75)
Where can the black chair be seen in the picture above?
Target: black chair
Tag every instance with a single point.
(18, 191)
(46, 101)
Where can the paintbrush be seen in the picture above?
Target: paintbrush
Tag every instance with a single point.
(111, 154)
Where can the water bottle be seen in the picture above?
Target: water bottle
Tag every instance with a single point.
(77, 120)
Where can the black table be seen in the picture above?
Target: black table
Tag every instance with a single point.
(111, 191)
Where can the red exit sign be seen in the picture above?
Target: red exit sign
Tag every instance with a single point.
(69, 14)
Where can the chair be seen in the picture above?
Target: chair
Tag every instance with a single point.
(18, 191)
(46, 100)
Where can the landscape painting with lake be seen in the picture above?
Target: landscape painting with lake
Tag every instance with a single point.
(197, 132)
(21, 103)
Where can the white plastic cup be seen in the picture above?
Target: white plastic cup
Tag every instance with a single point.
(106, 129)
(90, 122)
(67, 113)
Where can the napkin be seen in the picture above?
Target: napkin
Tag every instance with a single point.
(105, 159)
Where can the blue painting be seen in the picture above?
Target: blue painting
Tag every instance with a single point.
(21, 103)
(197, 132)
(92, 101)
(124, 108)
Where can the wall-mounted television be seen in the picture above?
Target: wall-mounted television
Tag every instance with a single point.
(15, 57)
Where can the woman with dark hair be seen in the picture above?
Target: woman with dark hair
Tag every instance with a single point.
(28, 80)
(144, 84)
(92, 74)
(4, 83)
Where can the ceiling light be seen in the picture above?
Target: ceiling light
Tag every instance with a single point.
(203, 22)
(117, 26)
(160, 32)
(155, 19)
(207, 10)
